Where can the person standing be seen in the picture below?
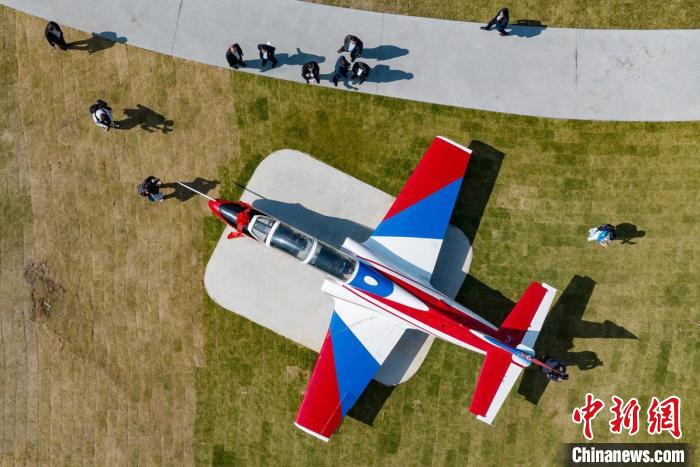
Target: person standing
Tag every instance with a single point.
(102, 115)
(150, 188)
(360, 70)
(54, 36)
(604, 234)
(341, 69)
(310, 71)
(353, 45)
(267, 52)
(234, 56)
(500, 20)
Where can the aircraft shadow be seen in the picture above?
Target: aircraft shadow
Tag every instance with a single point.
(477, 187)
(563, 324)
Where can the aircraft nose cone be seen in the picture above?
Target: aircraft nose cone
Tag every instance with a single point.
(230, 213)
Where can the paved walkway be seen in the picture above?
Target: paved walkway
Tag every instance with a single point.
(649, 75)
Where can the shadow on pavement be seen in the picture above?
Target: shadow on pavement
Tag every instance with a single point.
(526, 28)
(384, 52)
(97, 42)
(299, 58)
(384, 74)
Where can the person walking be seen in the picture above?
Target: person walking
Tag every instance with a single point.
(150, 188)
(500, 20)
(360, 70)
(234, 56)
(102, 115)
(353, 45)
(604, 234)
(267, 52)
(341, 70)
(54, 36)
(310, 71)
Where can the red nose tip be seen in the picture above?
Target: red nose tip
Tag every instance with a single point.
(215, 206)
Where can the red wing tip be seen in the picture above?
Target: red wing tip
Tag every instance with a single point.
(463, 148)
(312, 433)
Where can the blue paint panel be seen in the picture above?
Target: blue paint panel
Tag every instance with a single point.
(428, 218)
(354, 365)
(384, 286)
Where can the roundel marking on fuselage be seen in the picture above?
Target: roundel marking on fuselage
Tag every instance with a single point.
(371, 281)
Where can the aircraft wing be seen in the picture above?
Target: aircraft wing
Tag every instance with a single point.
(357, 343)
(410, 235)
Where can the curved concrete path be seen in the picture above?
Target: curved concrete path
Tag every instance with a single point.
(647, 75)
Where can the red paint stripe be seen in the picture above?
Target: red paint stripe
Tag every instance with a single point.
(493, 370)
(518, 320)
(320, 410)
(442, 164)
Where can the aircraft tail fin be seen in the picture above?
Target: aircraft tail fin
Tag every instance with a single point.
(502, 367)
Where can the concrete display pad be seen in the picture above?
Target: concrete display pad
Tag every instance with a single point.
(278, 292)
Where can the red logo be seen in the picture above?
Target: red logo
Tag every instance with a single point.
(662, 415)
(665, 416)
(587, 413)
(626, 416)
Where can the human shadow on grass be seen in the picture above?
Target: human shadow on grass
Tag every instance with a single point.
(328, 229)
(384, 74)
(97, 42)
(626, 232)
(384, 52)
(146, 118)
(526, 28)
(182, 194)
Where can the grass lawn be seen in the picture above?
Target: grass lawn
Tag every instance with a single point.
(113, 354)
(589, 14)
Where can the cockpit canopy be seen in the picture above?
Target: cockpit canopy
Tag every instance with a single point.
(303, 247)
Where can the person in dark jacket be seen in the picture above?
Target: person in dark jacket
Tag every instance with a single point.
(500, 20)
(150, 188)
(267, 52)
(353, 45)
(341, 70)
(360, 70)
(310, 71)
(54, 36)
(234, 56)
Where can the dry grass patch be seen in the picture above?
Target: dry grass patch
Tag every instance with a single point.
(115, 281)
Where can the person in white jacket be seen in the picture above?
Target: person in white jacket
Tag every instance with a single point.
(102, 115)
